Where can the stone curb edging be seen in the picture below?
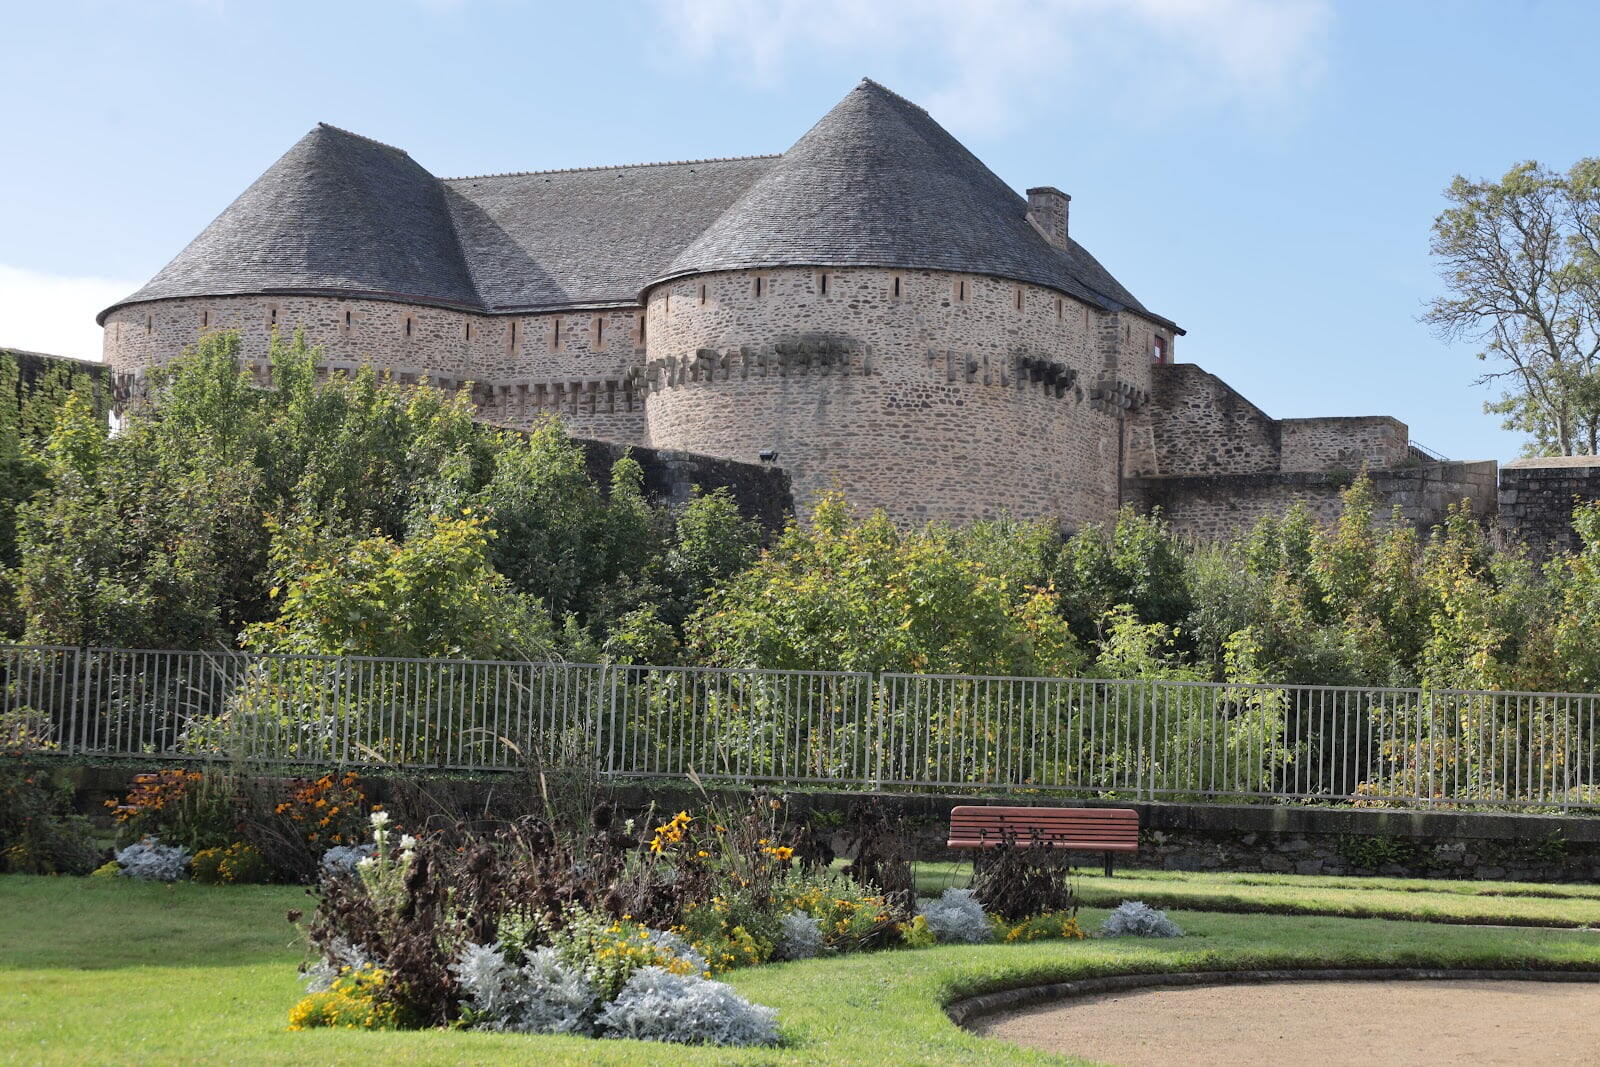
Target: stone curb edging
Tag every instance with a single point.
(967, 1009)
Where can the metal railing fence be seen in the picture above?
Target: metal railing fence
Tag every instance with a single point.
(1108, 739)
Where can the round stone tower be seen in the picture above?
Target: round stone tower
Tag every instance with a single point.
(881, 313)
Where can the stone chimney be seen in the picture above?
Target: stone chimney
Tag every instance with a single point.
(1047, 210)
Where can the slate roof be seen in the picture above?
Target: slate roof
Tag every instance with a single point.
(573, 238)
(879, 183)
(338, 213)
(876, 183)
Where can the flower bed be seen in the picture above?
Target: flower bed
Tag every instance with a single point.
(621, 930)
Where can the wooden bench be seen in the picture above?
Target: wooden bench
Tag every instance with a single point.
(1105, 830)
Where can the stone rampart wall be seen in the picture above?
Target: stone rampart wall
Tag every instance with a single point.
(1537, 497)
(1197, 424)
(526, 366)
(1342, 443)
(1200, 425)
(1209, 508)
(761, 491)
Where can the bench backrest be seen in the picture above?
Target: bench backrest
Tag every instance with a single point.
(1090, 829)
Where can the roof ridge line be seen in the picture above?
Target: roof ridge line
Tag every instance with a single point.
(613, 166)
(364, 137)
(884, 88)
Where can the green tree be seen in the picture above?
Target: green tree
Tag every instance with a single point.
(1138, 562)
(711, 542)
(434, 595)
(864, 596)
(1520, 260)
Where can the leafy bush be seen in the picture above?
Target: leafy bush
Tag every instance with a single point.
(838, 594)
(188, 808)
(956, 916)
(339, 957)
(1016, 881)
(849, 915)
(1373, 851)
(917, 933)
(151, 861)
(659, 1005)
(39, 831)
(1135, 918)
(544, 995)
(238, 864)
(731, 931)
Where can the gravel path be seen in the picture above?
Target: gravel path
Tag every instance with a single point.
(1326, 1024)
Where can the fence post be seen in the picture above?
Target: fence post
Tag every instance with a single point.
(1139, 792)
(877, 706)
(74, 711)
(611, 728)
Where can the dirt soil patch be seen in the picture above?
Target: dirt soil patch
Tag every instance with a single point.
(1326, 1024)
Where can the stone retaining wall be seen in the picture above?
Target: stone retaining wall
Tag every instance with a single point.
(1537, 497)
(1208, 508)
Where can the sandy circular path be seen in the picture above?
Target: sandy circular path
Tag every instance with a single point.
(1327, 1024)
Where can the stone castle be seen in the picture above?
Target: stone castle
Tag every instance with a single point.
(872, 310)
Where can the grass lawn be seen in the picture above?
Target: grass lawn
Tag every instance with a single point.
(107, 971)
(1508, 903)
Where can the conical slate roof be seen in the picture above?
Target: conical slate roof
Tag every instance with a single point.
(876, 183)
(337, 213)
(879, 183)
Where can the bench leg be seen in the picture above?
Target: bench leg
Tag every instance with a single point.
(1108, 865)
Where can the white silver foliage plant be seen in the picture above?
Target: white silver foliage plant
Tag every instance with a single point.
(956, 916)
(542, 996)
(1135, 918)
(339, 956)
(657, 1005)
(799, 937)
(680, 947)
(148, 860)
(342, 859)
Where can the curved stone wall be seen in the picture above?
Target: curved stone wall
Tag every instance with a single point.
(931, 395)
(524, 366)
(928, 394)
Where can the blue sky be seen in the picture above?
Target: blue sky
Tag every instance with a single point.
(1263, 172)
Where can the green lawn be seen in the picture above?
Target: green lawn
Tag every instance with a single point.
(1507, 903)
(107, 971)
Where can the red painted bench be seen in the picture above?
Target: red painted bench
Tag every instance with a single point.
(1105, 830)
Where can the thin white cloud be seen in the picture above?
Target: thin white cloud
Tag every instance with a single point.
(986, 65)
(54, 313)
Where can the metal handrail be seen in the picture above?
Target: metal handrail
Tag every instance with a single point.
(1091, 737)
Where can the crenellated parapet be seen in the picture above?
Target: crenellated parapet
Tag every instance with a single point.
(522, 401)
(1021, 370)
(1113, 396)
(822, 356)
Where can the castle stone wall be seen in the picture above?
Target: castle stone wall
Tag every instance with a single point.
(761, 491)
(1537, 497)
(947, 401)
(1197, 424)
(524, 366)
(1342, 443)
(1215, 507)
(1200, 425)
